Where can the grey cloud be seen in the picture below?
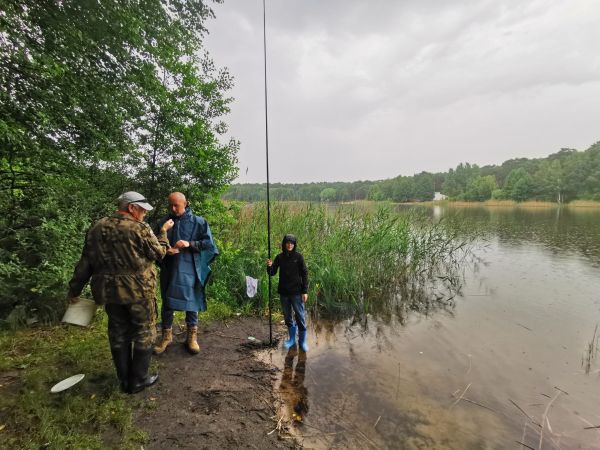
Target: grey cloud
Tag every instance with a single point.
(355, 86)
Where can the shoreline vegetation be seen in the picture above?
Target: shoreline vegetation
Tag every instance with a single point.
(454, 203)
(561, 177)
(361, 257)
(374, 260)
(511, 204)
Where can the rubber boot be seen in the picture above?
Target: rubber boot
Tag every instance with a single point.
(165, 340)
(292, 340)
(139, 378)
(122, 360)
(302, 341)
(192, 340)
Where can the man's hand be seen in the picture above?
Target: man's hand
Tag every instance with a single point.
(172, 251)
(269, 262)
(182, 244)
(73, 300)
(167, 225)
(304, 297)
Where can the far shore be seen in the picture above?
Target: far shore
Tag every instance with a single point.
(513, 204)
(449, 203)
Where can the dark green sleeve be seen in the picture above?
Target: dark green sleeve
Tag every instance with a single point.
(155, 246)
(81, 274)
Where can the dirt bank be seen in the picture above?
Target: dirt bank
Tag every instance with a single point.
(221, 398)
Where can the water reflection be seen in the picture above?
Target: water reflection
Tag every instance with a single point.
(420, 293)
(573, 230)
(292, 388)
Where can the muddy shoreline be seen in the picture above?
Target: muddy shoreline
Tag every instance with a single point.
(224, 397)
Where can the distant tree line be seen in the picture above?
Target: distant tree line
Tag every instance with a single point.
(561, 177)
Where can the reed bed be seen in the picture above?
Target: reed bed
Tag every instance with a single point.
(501, 203)
(584, 204)
(359, 259)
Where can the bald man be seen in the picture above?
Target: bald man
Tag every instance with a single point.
(184, 271)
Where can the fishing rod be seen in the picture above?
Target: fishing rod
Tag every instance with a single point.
(267, 158)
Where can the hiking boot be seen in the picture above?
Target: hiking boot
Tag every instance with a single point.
(139, 378)
(165, 340)
(192, 340)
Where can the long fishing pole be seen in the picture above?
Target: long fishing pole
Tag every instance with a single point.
(267, 154)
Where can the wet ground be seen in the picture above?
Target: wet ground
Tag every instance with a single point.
(222, 398)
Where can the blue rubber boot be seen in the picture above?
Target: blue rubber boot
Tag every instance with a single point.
(292, 340)
(302, 341)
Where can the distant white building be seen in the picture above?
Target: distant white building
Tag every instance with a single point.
(439, 196)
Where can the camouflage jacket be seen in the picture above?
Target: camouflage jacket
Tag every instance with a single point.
(119, 255)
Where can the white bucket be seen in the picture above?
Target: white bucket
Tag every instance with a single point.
(80, 313)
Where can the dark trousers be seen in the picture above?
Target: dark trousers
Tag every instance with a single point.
(131, 323)
(293, 303)
(166, 316)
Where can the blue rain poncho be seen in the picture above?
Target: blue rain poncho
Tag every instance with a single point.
(183, 276)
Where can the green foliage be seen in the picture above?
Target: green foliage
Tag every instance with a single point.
(328, 195)
(563, 176)
(375, 193)
(481, 188)
(458, 179)
(97, 98)
(519, 185)
(550, 180)
(499, 194)
(358, 260)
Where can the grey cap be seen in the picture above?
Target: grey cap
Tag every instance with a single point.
(133, 197)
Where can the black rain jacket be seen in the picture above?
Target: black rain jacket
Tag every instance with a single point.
(293, 274)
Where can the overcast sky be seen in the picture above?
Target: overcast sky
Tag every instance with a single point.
(374, 89)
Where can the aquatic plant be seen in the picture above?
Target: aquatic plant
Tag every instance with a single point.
(591, 351)
(359, 259)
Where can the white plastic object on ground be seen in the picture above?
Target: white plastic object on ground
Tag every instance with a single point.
(67, 383)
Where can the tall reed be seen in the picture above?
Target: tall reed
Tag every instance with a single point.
(359, 260)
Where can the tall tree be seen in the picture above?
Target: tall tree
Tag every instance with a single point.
(97, 97)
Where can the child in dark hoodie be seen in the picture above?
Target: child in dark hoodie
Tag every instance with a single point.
(293, 289)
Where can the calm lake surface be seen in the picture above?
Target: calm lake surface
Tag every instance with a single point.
(515, 345)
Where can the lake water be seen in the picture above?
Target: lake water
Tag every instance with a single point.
(509, 363)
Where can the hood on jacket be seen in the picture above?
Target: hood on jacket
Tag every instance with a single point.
(288, 238)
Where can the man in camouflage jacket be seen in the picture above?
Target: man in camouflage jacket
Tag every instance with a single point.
(118, 256)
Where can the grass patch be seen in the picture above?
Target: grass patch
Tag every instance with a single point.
(92, 415)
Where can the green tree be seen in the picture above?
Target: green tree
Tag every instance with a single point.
(375, 193)
(424, 187)
(457, 180)
(550, 180)
(97, 98)
(480, 189)
(403, 189)
(328, 195)
(519, 185)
